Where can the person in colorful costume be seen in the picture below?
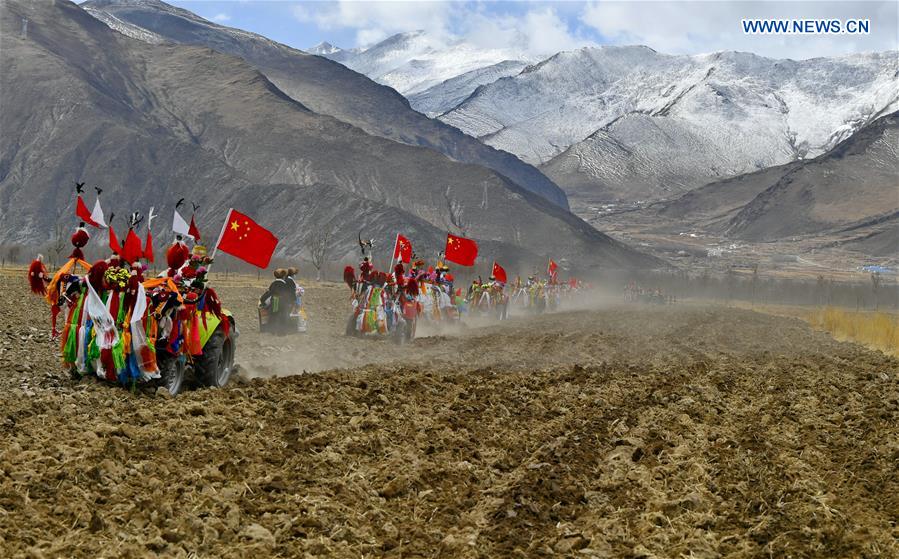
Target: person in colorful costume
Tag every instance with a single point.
(382, 303)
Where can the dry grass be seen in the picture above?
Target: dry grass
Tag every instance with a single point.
(875, 330)
(878, 330)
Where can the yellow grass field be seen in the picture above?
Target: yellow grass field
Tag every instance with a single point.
(878, 330)
(875, 330)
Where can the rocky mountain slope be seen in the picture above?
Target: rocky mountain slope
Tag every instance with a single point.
(631, 123)
(152, 123)
(854, 186)
(851, 191)
(324, 86)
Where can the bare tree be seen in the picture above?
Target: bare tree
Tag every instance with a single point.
(755, 283)
(875, 284)
(57, 243)
(319, 244)
(12, 253)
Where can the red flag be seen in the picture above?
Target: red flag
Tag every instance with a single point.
(499, 273)
(245, 239)
(148, 247)
(460, 250)
(83, 213)
(114, 244)
(552, 267)
(133, 250)
(194, 231)
(402, 252)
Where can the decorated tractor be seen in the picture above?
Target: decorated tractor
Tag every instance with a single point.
(488, 299)
(115, 324)
(440, 305)
(382, 304)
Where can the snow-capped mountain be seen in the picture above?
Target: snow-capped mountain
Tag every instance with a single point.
(612, 119)
(416, 61)
(328, 50)
(446, 95)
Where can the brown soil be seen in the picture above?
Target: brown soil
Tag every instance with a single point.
(623, 432)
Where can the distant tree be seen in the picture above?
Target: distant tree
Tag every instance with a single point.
(875, 284)
(319, 244)
(12, 253)
(755, 282)
(57, 243)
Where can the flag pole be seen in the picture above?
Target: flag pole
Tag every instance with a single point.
(389, 269)
(215, 249)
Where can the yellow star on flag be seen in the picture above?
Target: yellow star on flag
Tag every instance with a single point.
(234, 225)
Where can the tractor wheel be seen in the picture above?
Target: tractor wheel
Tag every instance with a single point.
(215, 365)
(171, 371)
(351, 325)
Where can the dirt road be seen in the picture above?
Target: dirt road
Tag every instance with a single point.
(621, 432)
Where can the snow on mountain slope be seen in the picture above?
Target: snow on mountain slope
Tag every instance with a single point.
(688, 120)
(332, 52)
(444, 96)
(415, 61)
(125, 28)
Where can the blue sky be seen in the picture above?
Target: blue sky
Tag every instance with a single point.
(547, 27)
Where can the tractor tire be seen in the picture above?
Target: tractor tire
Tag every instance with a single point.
(404, 332)
(215, 365)
(171, 370)
(351, 326)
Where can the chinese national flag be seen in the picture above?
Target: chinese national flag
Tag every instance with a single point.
(552, 267)
(460, 250)
(245, 239)
(402, 252)
(499, 273)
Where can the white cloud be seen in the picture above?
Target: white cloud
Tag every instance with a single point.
(673, 26)
(692, 27)
(538, 31)
(374, 21)
(221, 17)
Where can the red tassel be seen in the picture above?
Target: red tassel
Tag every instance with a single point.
(37, 276)
(95, 275)
(54, 314)
(177, 255)
(108, 364)
(349, 276)
(213, 304)
(412, 287)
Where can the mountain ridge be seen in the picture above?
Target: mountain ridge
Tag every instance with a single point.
(152, 123)
(327, 87)
(723, 114)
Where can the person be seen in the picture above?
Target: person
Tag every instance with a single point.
(298, 312)
(278, 302)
